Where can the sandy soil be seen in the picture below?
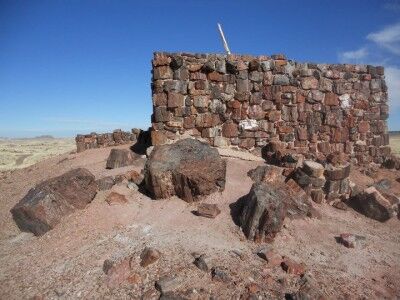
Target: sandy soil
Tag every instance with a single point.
(66, 263)
(394, 141)
(21, 153)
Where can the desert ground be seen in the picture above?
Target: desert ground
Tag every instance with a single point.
(21, 153)
(395, 143)
(67, 262)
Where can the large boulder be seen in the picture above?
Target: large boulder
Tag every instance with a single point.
(120, 158)
(263, 212)
(374, 205)
(44, 206)
(187, 169)
(297, 201)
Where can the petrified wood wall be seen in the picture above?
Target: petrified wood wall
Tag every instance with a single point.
(252, 101)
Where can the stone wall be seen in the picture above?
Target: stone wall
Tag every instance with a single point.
(100, 140)
(251, 102)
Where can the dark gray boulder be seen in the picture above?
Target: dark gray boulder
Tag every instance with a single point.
(263, 212)
(121, 158)
(374, 205)
(187, 169)
(44, 206)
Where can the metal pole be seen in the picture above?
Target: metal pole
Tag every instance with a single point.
(223, 39)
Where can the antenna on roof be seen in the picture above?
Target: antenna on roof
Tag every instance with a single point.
(223, 39)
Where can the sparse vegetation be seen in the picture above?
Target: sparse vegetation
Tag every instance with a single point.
(394, 141)
(20, 153)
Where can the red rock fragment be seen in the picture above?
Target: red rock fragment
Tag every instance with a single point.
(292, 267)
(116, 198)
(149, 256)
(208, 210)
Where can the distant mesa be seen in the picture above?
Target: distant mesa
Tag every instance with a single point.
(45, 136)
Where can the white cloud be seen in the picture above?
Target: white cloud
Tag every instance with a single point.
(395, 6)
(388, 38)
(392, 75)
(355, 55)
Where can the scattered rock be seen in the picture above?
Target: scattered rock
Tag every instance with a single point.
(268, 173)
(117, 271)
(309, 289)
(313, 168)
(187, 168)
(219, 274)
(208, 210)
(263, 213)
(115, 198)
(105, 183)
(292, 267)
(273, 259)
(350, 240)
(132, 186)
(168, 284)
(135, 177)
(201, 263)
(149, 256)
(253, 288)
(339, 205)
(335, 173)
(373, 204)
(120, 158)
(44, 206)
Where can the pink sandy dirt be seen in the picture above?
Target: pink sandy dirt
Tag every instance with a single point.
(67, 262)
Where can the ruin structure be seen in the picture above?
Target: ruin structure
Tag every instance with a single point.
(251, 102)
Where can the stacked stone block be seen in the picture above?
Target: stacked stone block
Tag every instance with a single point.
(101, 140)
(250, 101)
(337, 181)
(311, 178)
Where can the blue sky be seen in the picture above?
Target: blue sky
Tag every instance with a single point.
(79, 66)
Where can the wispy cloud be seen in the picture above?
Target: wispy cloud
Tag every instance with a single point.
(383, 49)
(356, 55)
(393, 6)
(388, 38)
(392, 75)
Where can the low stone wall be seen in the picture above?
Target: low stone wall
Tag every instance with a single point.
(251, 102)
(100, 140)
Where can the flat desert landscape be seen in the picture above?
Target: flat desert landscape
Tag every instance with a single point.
(21, 153)
(395, 143)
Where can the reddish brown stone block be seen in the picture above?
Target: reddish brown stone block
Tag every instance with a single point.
(331, 99)
(230, 129)
(160, 99)
(363, 127)
(158, 138)
(175, 100)
(215, 76)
